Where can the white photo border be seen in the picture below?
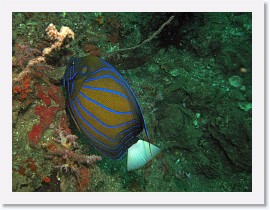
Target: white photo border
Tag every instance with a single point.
(257, 196)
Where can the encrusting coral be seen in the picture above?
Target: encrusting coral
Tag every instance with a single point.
(49, 136)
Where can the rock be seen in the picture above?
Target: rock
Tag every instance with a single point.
(235, 81)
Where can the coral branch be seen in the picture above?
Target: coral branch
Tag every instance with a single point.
(53, 34)
(145, 41)
(65, 137)
(71, 156)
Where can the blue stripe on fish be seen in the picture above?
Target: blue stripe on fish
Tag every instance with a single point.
(110, 66)
(72, 88)
(118, 154)
(106, 69)
(104, 77)
(97, 141)
(89, 125)
(100, 69)
(99, 121)
(107, 64)
(97, 131)
(108, 152)
(106, 90)
(102, 106)
(70, 81)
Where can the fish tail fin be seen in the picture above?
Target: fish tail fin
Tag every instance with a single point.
(140, 153)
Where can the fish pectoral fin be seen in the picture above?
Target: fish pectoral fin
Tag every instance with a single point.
(140, 153)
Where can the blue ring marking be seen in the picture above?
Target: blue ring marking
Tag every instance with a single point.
(110, 66)
(124, 147)
(97, 131)
(98, 145)
(69, 81)
(131, 128)
(106, 149)
(105, 69)
(107, 64)
(106, 90)
(99, 121)
(71, 75)
(72, 83)
(110, 151)
(102, 106)
(113, 71)
(72, 78)
(72, 88)
(119, 155)
(71, 71)
(87, 123)
(99, 142)
(104, 77)
(98, 70)
(68, 88)
(85, 71)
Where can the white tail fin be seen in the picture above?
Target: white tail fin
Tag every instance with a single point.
(140, 153)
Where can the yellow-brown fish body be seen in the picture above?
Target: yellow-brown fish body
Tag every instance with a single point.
(102, 105)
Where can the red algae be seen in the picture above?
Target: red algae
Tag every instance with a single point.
(35, 134)
(46, 179)
(52, 147)
(21, 171)
(31, 164)
(83, 179)
(44, 97)
(55, 93)
(46, 115)
(23, 89)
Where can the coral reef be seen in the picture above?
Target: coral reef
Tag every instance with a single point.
(43, 102)
(53, 34)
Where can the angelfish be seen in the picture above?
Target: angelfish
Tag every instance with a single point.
(105, 109)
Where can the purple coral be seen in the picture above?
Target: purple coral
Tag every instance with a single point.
(65, 138)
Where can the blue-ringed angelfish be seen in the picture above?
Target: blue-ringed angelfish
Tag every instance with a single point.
(105, 109)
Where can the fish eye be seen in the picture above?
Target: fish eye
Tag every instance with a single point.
(71, 61)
